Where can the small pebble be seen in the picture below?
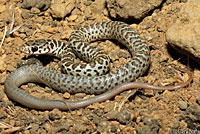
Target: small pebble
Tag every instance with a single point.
(72, 17)
(113, 128)
(66, 95)
(55, 114)
(124, 117)
(138, 100)
(80, 95)
(183, 105)
(63, 129)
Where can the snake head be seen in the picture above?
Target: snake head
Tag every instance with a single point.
(35, 47)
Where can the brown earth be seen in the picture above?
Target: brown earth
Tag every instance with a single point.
(145, 111)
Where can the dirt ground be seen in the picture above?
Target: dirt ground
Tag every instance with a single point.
(145, 111)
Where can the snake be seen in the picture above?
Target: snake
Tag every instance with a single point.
(105, 84)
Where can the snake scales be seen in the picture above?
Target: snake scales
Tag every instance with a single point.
(108, 85)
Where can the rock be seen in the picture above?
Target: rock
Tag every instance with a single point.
(63, 129)
(191, 116)
(61, 8)
(72, 17)
(49, 29)
(151, 126)
(184, 34)
(27, 14)
(131, 9)
(40, 4)
(35, 10)
(113, 128)
(55, 114)
(66, 95)
(103, 126)
(183, 105)
(123, 117)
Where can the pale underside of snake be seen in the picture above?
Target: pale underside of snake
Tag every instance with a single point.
(91, 78)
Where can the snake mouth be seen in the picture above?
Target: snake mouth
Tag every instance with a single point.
(25, 49)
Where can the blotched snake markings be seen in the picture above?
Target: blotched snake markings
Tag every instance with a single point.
(89, 78)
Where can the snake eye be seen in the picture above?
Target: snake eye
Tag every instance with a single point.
(34, 49)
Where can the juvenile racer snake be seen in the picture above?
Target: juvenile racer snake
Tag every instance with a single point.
(107, 85)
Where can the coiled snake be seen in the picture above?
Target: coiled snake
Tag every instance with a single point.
(84, 78)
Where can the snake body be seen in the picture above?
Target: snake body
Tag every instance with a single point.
(97, 84)
(109, 84)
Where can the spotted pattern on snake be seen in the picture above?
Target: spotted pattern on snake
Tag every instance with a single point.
(91, 85)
